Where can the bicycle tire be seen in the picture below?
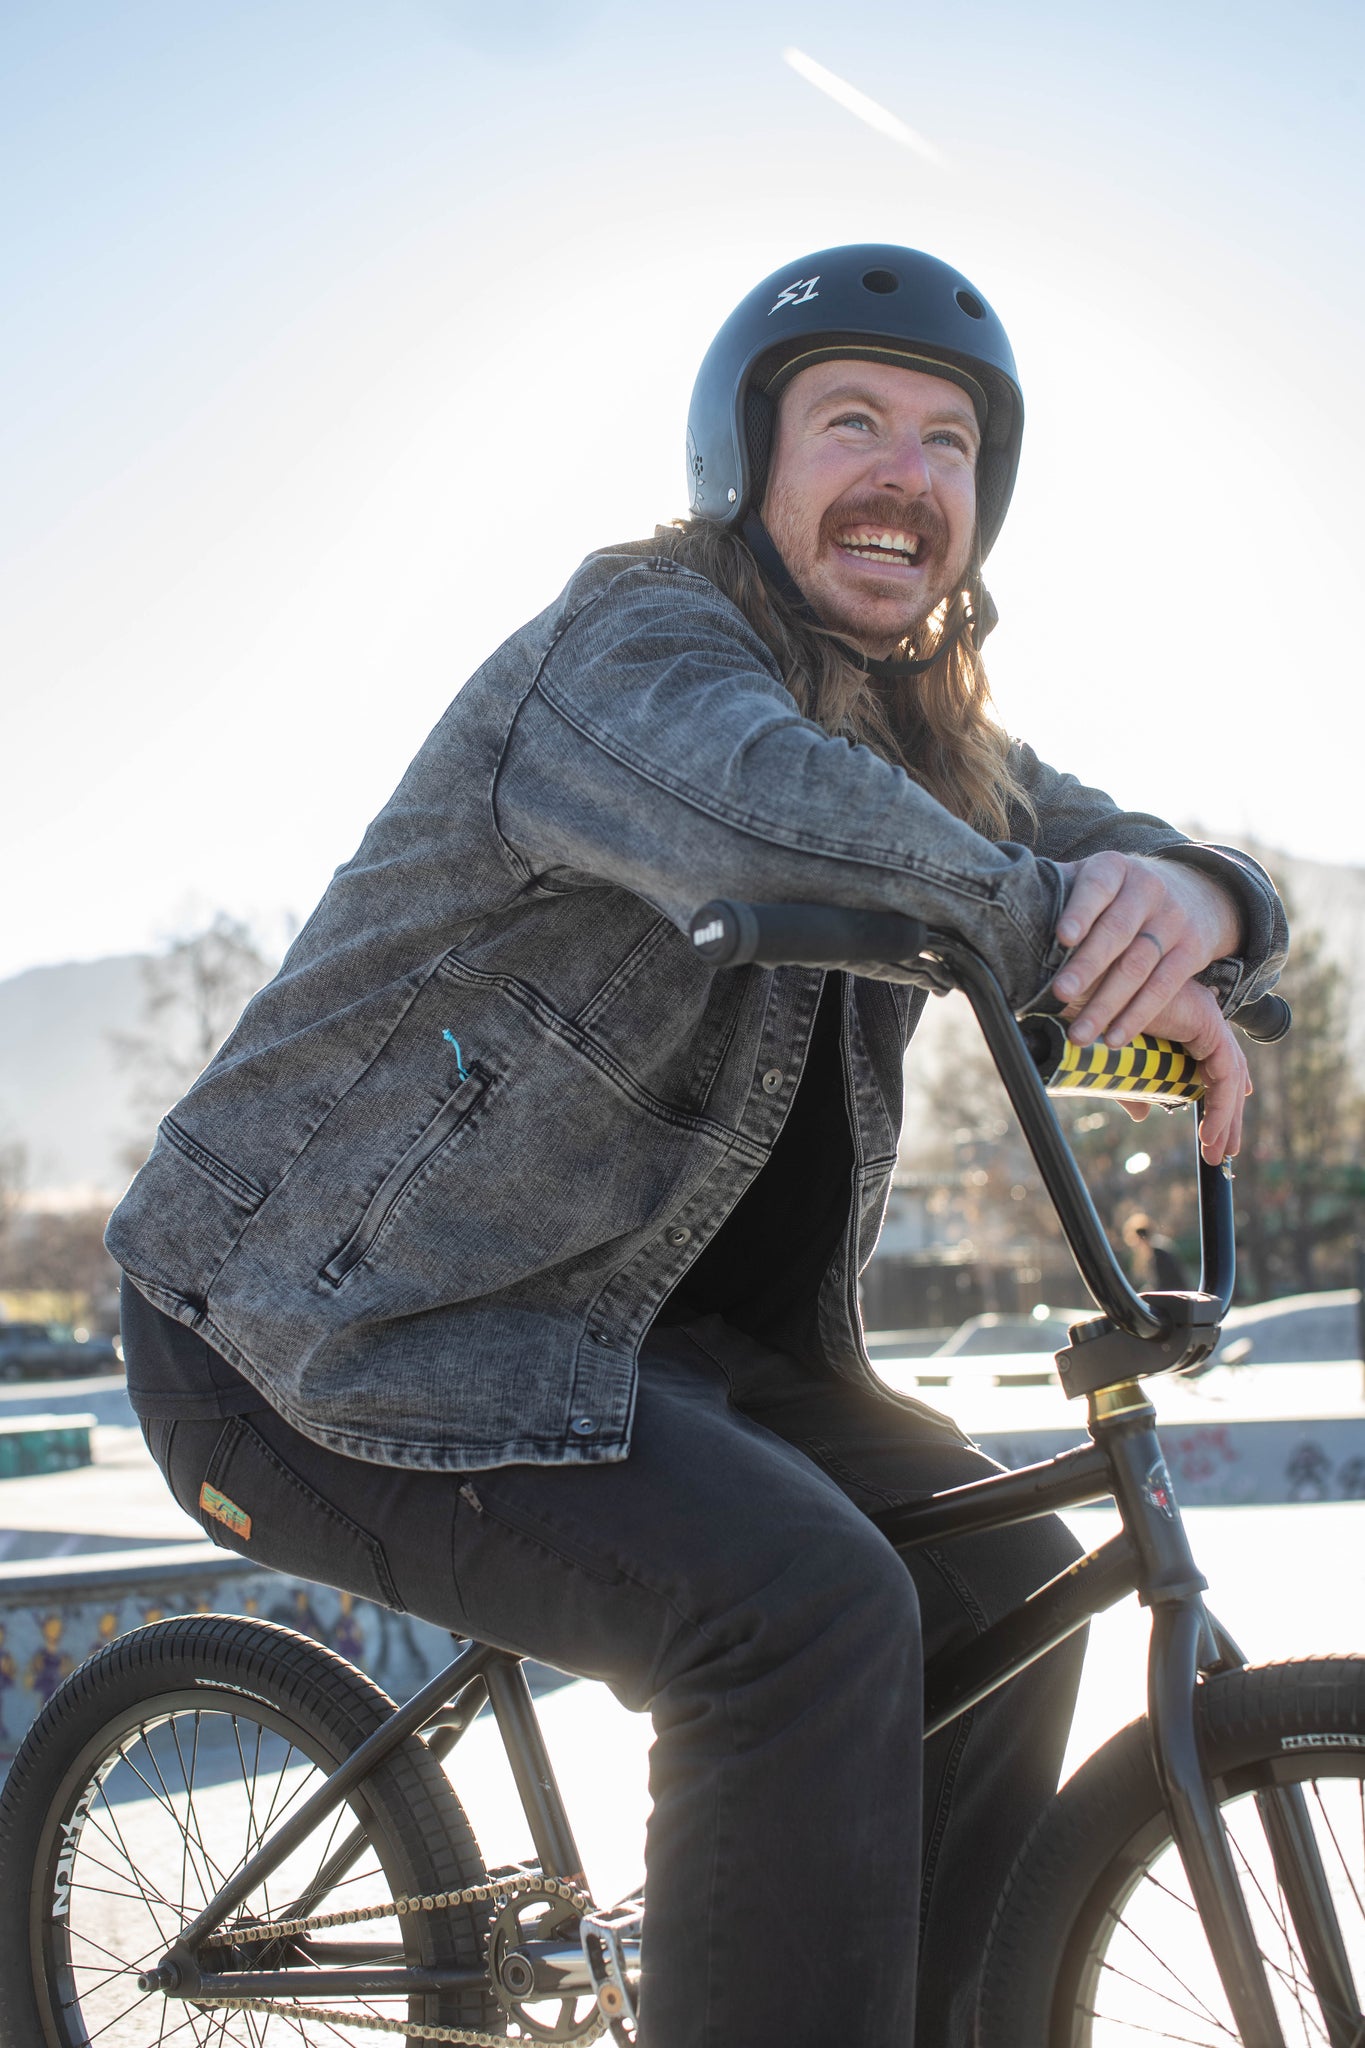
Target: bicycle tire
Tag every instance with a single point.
(1096, 1941)
(143, 1783)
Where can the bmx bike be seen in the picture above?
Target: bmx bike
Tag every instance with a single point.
(219, 1831)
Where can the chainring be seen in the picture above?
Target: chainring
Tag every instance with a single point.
(534, 1915)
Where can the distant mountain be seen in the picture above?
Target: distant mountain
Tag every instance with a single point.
(66, 1099)
(63, 1095)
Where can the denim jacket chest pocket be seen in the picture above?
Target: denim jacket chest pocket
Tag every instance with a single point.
(667, 1017)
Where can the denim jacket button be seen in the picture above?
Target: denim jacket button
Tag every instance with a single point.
(772, 1080)
(583, 1425)
(680, 1236)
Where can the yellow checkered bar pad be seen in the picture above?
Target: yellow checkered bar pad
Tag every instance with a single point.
(1150, 1067)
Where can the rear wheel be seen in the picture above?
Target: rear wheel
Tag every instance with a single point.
(151, 1775)
(1096, 1942)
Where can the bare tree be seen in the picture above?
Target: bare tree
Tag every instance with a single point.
(13, 1175)
(194, 994)
(964, 1125)
(60, 1254)
(1300, 1181)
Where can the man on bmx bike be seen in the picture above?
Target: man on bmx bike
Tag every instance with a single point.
(502, 1265)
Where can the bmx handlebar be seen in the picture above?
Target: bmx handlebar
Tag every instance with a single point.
(880, 943)
(886, 946)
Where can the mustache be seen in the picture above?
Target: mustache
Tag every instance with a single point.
(888, 515)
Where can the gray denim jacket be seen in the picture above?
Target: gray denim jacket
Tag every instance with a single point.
(432, 1191)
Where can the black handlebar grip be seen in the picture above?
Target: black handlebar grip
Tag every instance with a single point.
(1266, 1020)
(805, 935)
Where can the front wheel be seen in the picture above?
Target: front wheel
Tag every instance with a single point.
(150, 1776)
(1096, 1941)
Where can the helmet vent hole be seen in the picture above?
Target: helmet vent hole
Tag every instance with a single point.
(971, 305)
(881, 281)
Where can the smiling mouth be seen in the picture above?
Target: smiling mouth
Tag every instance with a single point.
(898, 550)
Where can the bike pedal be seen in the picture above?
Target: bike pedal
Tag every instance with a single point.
(613, 1968)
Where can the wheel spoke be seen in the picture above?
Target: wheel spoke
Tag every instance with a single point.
(1278, 1912)
(1278, 1943)
(193, 1748)
(1110, 2019)
(1199, 2011)
(1332, 1834)
(1098, 1942)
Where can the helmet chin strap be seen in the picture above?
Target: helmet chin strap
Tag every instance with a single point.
(976, 617)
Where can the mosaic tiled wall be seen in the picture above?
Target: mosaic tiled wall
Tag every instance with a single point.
(48, 1629)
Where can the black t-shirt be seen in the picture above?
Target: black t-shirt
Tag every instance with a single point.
(763, 1268)
(761, 1271)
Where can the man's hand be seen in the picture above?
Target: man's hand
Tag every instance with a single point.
(1193, 1019)
(1140, 928)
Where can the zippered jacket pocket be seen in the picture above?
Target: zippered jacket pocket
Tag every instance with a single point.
(450, 1118)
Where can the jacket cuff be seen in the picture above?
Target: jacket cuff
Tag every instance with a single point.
(1053, 953)
(1241, 977)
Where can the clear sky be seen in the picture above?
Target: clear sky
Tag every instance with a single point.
(336, 333)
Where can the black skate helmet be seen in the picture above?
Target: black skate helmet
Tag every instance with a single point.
(871, 301)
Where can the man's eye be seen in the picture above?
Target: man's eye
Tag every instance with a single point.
(853, 419)
(951, 439)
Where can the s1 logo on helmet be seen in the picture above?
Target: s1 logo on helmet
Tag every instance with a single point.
(796, 293)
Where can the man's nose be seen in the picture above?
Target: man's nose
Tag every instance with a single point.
(904, 467)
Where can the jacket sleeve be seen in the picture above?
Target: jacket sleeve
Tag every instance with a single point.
(1074, 821)
(658, 750)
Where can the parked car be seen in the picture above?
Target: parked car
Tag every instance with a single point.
(52, 1351)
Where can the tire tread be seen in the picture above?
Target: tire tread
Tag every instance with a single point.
(1072, 1845)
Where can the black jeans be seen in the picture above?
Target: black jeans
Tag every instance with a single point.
(803, 1844)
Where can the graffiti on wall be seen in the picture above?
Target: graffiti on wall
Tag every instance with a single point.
(42, 1644)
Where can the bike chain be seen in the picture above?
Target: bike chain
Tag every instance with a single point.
(492, 1891)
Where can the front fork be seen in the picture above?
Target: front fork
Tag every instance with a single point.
(1185, 1641)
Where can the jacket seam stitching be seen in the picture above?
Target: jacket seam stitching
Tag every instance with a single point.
(562, 1027)
(210, 1165)
(521, 868)
(354, 1439)
(624, 973)
(416, 984)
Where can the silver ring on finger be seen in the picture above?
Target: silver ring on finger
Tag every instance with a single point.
(1160, 949)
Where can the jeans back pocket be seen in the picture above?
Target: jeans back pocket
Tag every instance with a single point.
(252, 1502)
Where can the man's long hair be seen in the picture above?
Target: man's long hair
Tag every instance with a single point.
(935, 724)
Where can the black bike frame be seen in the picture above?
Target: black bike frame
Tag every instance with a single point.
(1151, 1557)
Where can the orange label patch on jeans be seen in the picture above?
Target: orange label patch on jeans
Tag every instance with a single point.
(225, 1511)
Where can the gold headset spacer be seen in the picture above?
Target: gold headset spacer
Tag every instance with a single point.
(1111, 1404)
